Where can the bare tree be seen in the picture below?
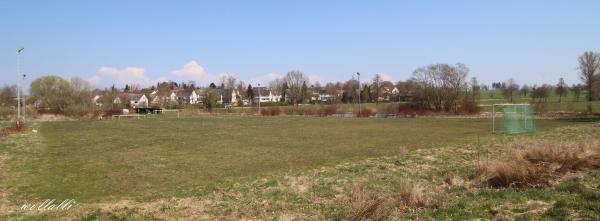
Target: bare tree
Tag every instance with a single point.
(81, 92)
(525, 90)
(475, 88)
(276, 85)
(376, 87)
(561, 88)
(240, 88)
(7, 95)
(589, 65)
(222, 79)
(230, 81)
(576, 91)
(294, 80)
(440, 85)
(509, 90)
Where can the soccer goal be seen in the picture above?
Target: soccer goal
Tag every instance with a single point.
(516, 118)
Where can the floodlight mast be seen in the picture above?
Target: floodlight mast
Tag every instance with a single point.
(19, 86)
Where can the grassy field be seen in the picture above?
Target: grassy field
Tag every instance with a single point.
(568, 102)
(233, 162)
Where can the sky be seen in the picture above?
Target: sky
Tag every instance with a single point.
(142, 42)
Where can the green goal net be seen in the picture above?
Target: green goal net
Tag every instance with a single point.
(516, 118)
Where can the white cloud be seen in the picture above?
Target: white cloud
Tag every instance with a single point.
(313, 78)
(190, 69)
(272, 76)
(128, 75)
(386, 77)
(265, 79)
(94, 80)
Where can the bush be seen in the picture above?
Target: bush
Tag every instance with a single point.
(309, 111)
(537, 163)
(387, 109)
(270, 112)
(468, 106)
(111, 112)
(6, 112)
(76, 111)
(14, 128)
(364, 204)
(408, 111)
(328, 110)
(414, 196)
(365, 112)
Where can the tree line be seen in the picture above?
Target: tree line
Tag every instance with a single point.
(438, 87)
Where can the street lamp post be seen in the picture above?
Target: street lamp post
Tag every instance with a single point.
(359, 107)
(19, 86)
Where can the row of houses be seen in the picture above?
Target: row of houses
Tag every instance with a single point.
(180, 97)
(224, 96)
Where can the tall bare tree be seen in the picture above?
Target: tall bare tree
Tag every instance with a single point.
(81, 91)
(509, 90)
(230, 81)
(294, 80)
(589, 65)
(440, 85)
(376, 87)
(561, 88)
(475, 89)
(276, 85)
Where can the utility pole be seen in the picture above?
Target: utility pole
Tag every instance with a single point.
(19, 86)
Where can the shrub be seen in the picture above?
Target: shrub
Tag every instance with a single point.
(414, 196)
(265, 112)
(408, 111)
(6, 112)
(308, 111)
(535, 163)
(270, 112)
(289, 110)
(388, 109)
(468, 106)
(365, 112)
(513, 173)
(96, 114)
(76, 111)
(111, 112)
(14, 128)
(275, 111)
(329, 110)
(364, 204)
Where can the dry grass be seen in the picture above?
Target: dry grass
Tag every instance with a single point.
(535, 163)
(414, 196)
(364, 204)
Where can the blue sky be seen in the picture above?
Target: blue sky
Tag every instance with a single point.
(141, 42)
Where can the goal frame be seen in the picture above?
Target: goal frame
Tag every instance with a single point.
(494, 112)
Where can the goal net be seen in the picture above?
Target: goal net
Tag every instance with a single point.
(516, 118)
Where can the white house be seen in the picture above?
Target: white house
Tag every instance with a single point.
(139, 101)
(266, 95)
(173, 96)
(194, 98)
(96, 100)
